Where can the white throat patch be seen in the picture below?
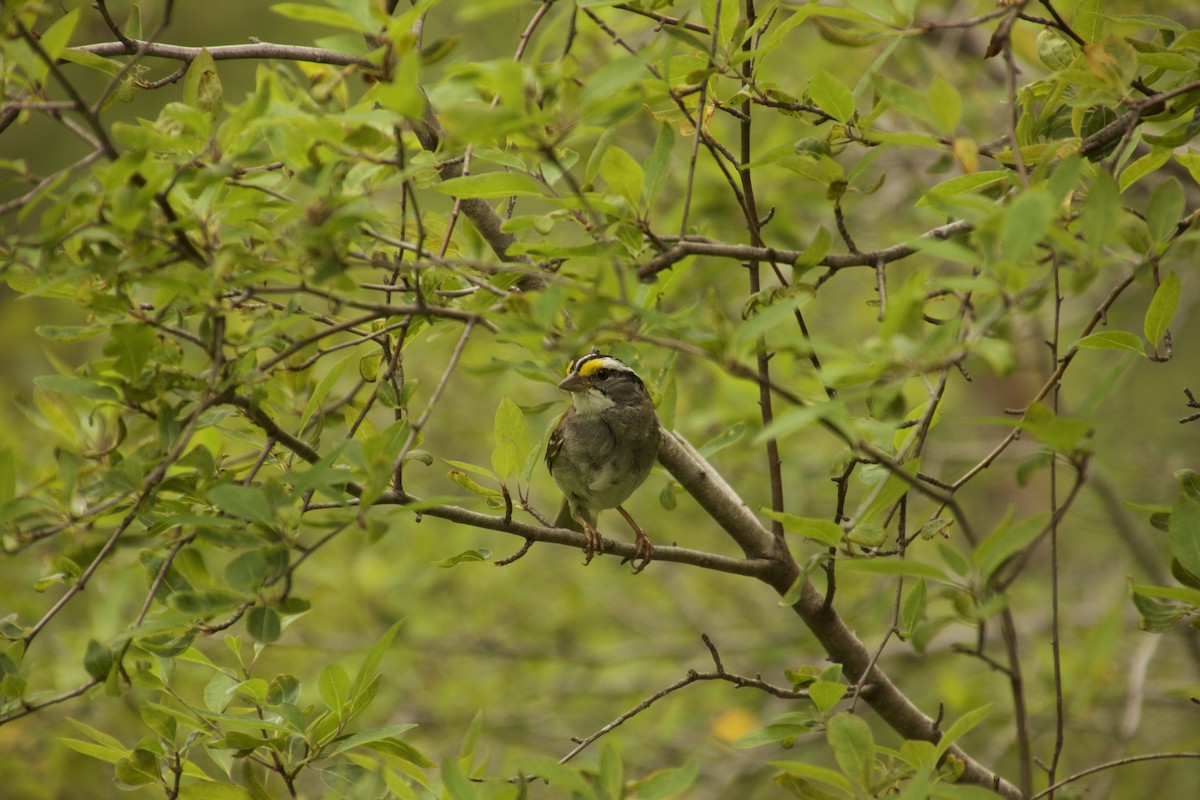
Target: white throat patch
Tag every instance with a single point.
(591, 402)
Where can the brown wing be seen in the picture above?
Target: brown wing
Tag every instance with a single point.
(556, 440)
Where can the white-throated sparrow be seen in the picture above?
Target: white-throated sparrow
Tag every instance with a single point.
(603, 447)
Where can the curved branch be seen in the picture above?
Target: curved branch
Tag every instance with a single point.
(29, 708)
(839, 641)
(1120, 762)
(720, 674)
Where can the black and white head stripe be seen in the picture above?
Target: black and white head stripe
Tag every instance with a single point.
(594, 362)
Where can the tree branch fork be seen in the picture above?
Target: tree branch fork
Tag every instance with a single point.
(767, 559)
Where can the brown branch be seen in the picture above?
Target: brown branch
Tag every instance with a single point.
(754, 567)
(842, 645)
(227, 52)
(1097, 317)
(663, 19)
(1120, 762)
(681, 248)
(29, 708)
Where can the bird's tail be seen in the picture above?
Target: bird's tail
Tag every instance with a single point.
(563, 518)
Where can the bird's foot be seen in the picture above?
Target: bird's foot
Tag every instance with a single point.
(594, 544)
(642, 549)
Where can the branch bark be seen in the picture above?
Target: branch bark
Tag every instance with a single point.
(682, 248)
(841, 644)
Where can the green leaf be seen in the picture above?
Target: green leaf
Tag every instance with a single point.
(668, 783)
(465, 481)
(1189, 482)
(723, 26)
(612, 771)
(202, 85)
(893, 566)
(1025, 223)
(247, 571)
(727, 438)
(97, 751)
(320, 15)
(1089, 20)
(402, 94)
(946, 104)
(263, 624)
(130, 345)
(961, 726)
(1112, 340)
(1062, 434)
(133, 25)
(242, 501)
(55, 38)
(812, 772)
(1155, 615)
(1182, 594)
(325, 385)
(1004, 541)
(1184, 532)
(853, 747)
(139, 769)
(92, 61)
(455, 782)
(511, 433)
(822, 531)
(1054, 49)
(1144, 166)
(374, 658)
(76, 387)
(1165, 209)
(1101, 212)
(912, 610)
(658, 163)
(964, 183)
(817, 249)
(491, 185)
(831, 95)
(367, 737)
(203, 602)
(334, 685)
(1162, 308)
(884, 498)
(796, 590)
(558, 775)
(211, 790)
(623, 174)
(467, 556)
(106, 740)
(784, 728)
(826, 694)
(98, 660)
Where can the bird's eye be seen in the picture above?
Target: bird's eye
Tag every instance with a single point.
(603, 374)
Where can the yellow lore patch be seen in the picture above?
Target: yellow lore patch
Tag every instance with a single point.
(599, 362)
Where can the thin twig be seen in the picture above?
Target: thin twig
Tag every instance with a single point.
(1120, 762)
(692, 677)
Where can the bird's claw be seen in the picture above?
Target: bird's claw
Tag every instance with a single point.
(642, 549)
(594, 544)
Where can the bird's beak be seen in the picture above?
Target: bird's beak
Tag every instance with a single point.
(573, 383)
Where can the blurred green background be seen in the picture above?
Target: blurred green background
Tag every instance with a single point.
(544, 650)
